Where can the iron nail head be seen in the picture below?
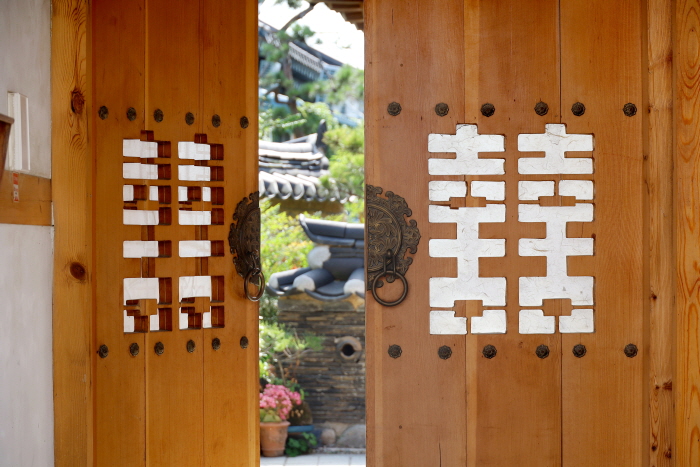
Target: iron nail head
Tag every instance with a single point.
(489, 351)
(488, 109)
(445, 352)
(395, 351)
(394, 109)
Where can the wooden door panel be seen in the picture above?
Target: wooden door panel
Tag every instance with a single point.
(229, 75)
(515, 401)
(416, 408)
(603, 392)
(169, 176)
(174, 397)
(573, 255)
(120, 383)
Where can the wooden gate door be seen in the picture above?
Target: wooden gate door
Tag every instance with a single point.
(513, 130)
(175, 138)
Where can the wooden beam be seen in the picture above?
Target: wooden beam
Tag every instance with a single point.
(73, 256)
(687, 222)
(34, 205)
(659, 307)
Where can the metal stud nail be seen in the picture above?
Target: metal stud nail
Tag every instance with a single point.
(489, 351)
(578, 109)
(542, 351)
(103, 112)
(579, 350)
(630, 109)
(216, 121)
(131, 114)
(134, 349)
(244, 122)
(395, 351)
(158, 115)
(445, 352)
(159, 348)
(442, 109)
(216, 343)
(189, 118)
(103, 351)
(191, 346)
(394, 109)
(244, 342)
(541, 108)
(631, 350)
(488, 109)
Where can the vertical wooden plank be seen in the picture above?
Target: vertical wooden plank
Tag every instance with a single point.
(416, 413)
(661, 289)
(603, 392)
(515, 398)
(174, 387)
(229, 90)
(687, 210)
(119, 64)
(72, 196)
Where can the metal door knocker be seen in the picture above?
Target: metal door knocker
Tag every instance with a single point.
(244, 240)
(390, 237)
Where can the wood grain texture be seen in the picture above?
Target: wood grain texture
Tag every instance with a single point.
(687, 214)
(603, 392)
(118, 58)
(71, 193)
(34, 206)
(661, 256)
(229, 89)
(174, 384)
(515, 398)
(416, 404)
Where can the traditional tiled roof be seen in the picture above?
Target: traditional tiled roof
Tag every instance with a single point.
(336, 264)
(292, 170)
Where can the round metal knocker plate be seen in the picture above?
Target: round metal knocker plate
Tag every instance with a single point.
(131, 114)
(216, 343)
(158, 115)
(579, 350)
(244, 342)
(191, 346)
(103, 351)
(159, 348)
(134, 349)
(542, 351)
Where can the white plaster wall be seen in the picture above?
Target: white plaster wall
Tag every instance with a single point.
(26, 384)
(25, 55)
(26, 252)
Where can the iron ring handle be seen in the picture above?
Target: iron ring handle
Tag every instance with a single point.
(261, 287)
(395, 302)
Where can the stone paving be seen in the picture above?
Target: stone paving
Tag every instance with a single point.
(317, 460)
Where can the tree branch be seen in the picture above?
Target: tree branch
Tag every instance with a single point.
(299, 16)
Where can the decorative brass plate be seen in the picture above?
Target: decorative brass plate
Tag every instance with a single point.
(389, 238)
(244, 240)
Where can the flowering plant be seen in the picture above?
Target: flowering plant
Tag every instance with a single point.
(276, 402)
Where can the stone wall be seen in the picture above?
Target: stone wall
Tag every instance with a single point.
(333, 378)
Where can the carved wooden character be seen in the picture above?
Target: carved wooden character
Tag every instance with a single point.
(189, 190)
(468, 247)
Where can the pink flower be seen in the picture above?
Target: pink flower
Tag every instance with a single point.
(276, 401)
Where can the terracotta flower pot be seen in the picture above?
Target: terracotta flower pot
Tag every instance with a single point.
(273, 436)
